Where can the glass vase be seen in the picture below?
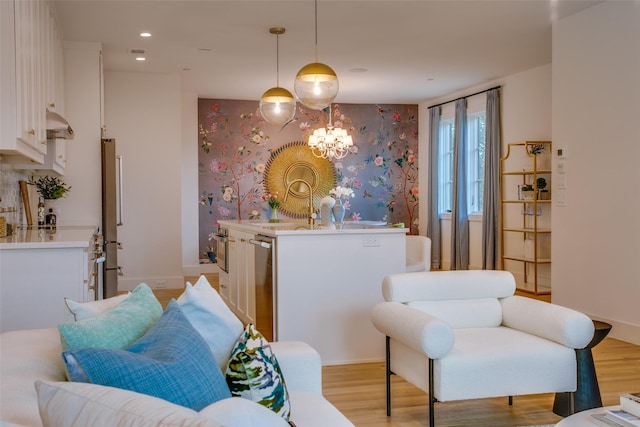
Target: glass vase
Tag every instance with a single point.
(274, 215)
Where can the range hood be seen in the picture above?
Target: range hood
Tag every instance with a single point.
(58, 126)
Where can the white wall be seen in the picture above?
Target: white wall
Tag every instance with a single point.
(596, 107)
(190, 197)
(83, 204)
(526, 115)
(143, 114)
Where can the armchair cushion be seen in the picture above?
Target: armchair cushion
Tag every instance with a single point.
(478, 313)
(554, 322)
(492, 362)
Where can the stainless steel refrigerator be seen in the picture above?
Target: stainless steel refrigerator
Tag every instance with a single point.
(112, 214)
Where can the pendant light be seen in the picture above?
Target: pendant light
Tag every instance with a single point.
(316, 84)
(277, 105)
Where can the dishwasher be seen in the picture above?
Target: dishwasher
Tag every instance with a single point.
(265, 280)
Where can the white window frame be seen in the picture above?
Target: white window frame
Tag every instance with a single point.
(475, 154)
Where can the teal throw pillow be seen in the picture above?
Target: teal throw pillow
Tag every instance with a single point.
(253, 373)
(171, 361)
(116, 328)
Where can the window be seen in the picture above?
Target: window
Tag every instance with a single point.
(475, 159)
(475, 162)
(445, 166)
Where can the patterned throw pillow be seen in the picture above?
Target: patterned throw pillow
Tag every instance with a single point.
(253, 373)
(117, 328)
(171, 361)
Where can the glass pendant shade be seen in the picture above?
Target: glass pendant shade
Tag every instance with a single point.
(277, 106)
(316, 85)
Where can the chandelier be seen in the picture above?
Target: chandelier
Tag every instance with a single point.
(330, 143)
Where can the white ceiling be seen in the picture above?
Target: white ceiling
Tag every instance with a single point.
(412, 50)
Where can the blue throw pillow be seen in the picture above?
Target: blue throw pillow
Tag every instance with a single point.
(171, 361)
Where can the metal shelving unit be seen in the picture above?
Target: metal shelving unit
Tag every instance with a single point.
(522, 220)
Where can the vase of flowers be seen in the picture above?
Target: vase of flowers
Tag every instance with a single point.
(274, 203)
(339, 209)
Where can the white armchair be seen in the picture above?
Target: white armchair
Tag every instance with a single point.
(418, 253)
(463, 334)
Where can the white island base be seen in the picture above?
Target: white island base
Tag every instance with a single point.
(326, 283)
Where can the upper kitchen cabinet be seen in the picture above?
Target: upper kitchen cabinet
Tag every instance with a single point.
(31, 76)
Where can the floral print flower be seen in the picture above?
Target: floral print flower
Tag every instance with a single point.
(379, 161)
(260, 167)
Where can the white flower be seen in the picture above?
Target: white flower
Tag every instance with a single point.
(228, 190)
(342, 192)
(226, 197)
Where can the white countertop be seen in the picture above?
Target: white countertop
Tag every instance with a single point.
(299, 227)
(61, 237)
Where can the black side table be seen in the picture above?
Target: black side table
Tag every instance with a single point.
(587, 395)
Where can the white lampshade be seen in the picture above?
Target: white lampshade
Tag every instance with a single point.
(277, 106)
(316, 86)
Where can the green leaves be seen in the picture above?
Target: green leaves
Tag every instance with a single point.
(50, 187)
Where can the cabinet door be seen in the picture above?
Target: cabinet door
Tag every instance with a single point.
(241, 276)
(246, 286)
(25, 25)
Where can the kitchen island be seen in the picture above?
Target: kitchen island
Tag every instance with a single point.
(325, 281)
(39, 268)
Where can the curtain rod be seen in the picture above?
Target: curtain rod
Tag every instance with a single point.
(468, 96)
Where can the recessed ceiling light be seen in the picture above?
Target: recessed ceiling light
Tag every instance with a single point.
(145, 34)
(141, 58)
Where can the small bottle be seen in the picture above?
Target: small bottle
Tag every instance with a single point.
(41, 213)
(50, 219)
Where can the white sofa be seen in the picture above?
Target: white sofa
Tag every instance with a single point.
(29, 356)
(463, 335)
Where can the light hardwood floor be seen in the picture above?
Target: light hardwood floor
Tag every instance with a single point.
(358, 391)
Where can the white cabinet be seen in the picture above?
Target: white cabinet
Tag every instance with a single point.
(38, 269)
(241, 292)
(32, 77)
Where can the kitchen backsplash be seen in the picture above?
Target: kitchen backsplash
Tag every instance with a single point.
(10, 189)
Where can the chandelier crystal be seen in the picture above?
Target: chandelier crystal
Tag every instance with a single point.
(330, 142)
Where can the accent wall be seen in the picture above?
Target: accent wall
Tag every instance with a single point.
(235, 144)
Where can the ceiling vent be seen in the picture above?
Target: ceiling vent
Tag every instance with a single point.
(137, 52)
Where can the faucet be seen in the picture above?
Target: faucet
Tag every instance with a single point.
(311, 215)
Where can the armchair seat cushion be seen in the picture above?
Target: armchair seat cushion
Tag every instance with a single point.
(492, 362)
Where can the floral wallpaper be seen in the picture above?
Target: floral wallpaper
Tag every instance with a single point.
(236, 142)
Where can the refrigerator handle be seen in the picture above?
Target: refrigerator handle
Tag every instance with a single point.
(120, 193)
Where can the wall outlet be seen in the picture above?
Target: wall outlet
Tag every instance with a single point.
(370, 241)
(161, 283)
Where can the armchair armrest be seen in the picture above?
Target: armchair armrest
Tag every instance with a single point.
(554, 322)
(418, 330)
(300, 364)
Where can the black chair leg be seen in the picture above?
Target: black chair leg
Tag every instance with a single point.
(389, 373)
(432, 399)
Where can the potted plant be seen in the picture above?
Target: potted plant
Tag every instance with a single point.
(541, 185)
(51, 189)
(527, 192)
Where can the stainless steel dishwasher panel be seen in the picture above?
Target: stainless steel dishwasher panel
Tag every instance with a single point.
(265, 280)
